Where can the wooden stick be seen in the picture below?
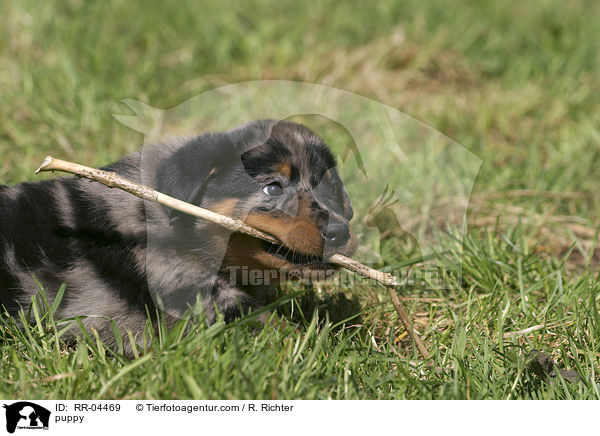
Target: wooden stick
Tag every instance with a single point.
(113, 180)
(407, 324)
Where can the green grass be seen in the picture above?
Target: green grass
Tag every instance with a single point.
(516, 84)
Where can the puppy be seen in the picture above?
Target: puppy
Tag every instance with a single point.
(122, 257)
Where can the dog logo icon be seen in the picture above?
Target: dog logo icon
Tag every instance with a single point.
(26, 415)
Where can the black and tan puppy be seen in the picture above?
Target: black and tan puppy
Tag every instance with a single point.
(120, 256)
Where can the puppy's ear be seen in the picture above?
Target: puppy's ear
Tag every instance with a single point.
(184, 173)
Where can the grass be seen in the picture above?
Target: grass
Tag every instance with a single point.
(515, 84)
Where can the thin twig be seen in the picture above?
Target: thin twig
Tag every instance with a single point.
(407, 324)
(113, 180)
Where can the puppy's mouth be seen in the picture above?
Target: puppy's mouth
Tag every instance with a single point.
(295, 258)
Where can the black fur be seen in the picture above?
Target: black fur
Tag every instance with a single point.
(116, 253)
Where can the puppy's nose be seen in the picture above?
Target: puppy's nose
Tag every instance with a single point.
(336, 234)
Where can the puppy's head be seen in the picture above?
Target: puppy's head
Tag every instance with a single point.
(278, 177)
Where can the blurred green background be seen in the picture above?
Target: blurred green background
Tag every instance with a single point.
(516, 83)
(513, 83)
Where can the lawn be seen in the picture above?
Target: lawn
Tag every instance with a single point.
(514, 85)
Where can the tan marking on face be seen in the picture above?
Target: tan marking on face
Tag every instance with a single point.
(285, 170)
(224, 207)
(300, 233)
(247, 252)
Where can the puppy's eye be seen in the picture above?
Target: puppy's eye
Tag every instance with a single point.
(273, 189)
